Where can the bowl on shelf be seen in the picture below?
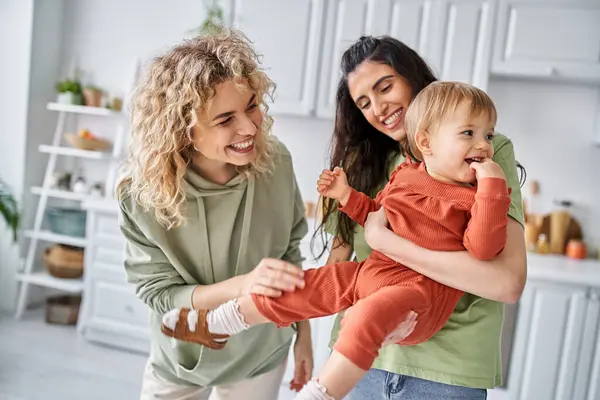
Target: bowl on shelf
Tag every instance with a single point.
(82, 143)
(66, 221)
(63, 261)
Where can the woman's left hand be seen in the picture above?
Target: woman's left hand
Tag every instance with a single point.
(375, 223)
(303, 360)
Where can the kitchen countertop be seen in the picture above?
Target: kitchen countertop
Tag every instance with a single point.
(557, 268)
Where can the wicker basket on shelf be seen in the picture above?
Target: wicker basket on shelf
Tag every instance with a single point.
(63, 310)
(82, 143)
(64, 261)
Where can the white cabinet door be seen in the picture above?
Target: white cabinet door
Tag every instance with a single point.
(288, 35)
(348, 20)
(548, 338)
(587, 381)
(548, 39)
(462, 40)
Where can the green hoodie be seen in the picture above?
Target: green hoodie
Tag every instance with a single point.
(229, 229)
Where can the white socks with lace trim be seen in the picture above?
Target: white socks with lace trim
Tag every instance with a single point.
(313, 390)
(226, 319)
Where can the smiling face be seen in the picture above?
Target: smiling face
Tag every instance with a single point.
(459, 140)
(382, 96)
(225, 133)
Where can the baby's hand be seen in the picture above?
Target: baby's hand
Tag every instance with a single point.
(487, 169)
(334, 184)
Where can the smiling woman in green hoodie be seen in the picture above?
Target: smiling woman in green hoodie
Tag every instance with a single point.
(211, 211)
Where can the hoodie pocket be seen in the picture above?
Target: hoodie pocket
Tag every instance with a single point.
(245, 355)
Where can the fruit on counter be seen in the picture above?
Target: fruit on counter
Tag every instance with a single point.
(86, 134)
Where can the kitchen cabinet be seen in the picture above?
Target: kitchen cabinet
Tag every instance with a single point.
(461, 40)
(557, 40)
(348, 20)
(551, 318)
(111, 313)
(587, 381)
(288, 36)
(556, 352)
(453, 36)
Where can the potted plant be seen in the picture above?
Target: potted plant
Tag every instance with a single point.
(92, 96)
(9, 209)
(214, 19)
(69, 91)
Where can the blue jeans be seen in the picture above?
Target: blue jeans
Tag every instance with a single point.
(382, 385)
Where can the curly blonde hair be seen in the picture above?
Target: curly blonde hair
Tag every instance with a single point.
(165, 103)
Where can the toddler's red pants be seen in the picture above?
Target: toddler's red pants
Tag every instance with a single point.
(387, 292)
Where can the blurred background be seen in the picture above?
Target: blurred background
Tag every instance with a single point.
(66, 71)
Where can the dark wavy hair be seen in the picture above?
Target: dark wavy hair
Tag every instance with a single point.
(357, 146)
(364, 152)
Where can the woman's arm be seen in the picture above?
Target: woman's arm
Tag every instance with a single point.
(501, 279)
(162, 287)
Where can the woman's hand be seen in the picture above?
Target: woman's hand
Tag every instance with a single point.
(375, 223)
(402, 331)
(303, 357)
(271, 278)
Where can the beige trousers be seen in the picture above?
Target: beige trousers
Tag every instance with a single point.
(262, 387)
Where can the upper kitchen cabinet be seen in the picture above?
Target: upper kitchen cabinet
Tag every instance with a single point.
(453, 36)
(288, 35)
(548, 39)
(348, 20)
(461, 40)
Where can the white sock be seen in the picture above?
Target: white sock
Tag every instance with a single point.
(170, 318)
(226, 319)
(313, 390)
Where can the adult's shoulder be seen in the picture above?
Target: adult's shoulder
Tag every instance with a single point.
(503, 146)
(282, 155)
(281, 149)
(123, 195)
(129, 208)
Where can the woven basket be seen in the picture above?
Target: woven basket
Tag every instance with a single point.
(64, 261)
(87, 144)
(63, 310)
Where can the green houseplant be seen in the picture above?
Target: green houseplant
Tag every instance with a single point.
(69, 91)
(214, 20)
(9, 209)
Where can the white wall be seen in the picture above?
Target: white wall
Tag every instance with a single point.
(16, 19)
(30, 36)
(553, 129)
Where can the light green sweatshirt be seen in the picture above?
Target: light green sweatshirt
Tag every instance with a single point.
(229, 229)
